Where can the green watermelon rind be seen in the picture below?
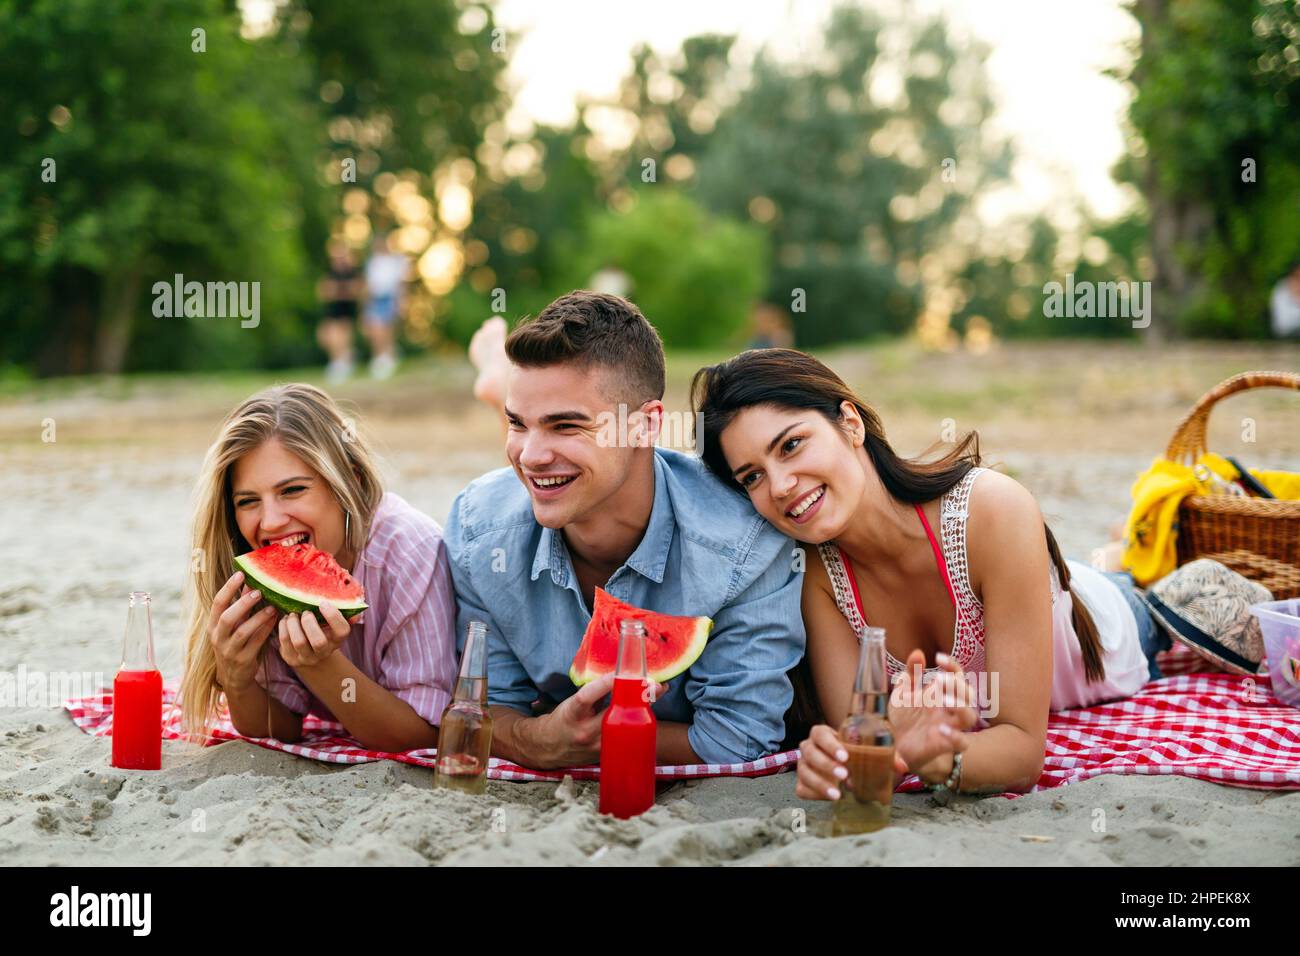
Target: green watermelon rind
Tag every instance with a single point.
(286, 599)
(694, 648)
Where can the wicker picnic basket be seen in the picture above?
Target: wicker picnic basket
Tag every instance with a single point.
(1258, 538)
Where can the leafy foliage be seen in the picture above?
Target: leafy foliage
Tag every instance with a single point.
(695, 276)
(851, 179)
(205, 156)
(1218, 105)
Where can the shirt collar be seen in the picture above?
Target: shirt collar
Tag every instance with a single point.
(550, 557)
(650, 558)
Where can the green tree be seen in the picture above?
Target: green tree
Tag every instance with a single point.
(132, 155)
(1006, 289)
(1217, 104)
(694, 275)
(860, 187)
(216, 156)
(530, 226)
(407, 84)
(675, 102)
(534, 225)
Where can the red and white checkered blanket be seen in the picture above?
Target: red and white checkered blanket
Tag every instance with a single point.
(1215, 727)
(326, 740)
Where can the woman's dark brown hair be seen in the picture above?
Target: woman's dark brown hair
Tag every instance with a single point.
(791, 379)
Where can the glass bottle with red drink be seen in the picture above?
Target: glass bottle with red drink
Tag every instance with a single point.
(628, 731)
(137, 694)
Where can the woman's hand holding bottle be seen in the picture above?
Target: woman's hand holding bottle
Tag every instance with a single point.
(821, 769)
(928, 723)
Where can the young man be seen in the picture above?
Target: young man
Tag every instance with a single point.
(583, 506)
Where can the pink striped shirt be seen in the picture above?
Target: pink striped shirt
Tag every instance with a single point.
(406, 642)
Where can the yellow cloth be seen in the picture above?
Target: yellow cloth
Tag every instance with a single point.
(1150, 543)
(1283, 484)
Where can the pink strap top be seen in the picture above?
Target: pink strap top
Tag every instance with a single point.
(968, 636)
(1125, 663)
(938, 556)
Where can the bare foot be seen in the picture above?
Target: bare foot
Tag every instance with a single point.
(1109, 557)
(487, 352)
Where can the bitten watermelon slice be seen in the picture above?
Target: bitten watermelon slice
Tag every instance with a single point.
(672, 644)
(297, 578)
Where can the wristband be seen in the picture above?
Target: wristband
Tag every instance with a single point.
(953, 782)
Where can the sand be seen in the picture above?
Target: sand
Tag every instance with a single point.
(104, 510)
(241, 804)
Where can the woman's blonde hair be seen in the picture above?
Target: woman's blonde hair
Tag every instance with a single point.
(307, 423)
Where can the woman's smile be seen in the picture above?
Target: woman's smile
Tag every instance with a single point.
(286, 538)
(807, 505)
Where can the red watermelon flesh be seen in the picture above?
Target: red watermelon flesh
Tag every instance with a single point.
(672, 644)
(297, 578)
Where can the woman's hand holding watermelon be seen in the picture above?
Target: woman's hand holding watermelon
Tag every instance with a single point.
(237, 633)
(303, 642)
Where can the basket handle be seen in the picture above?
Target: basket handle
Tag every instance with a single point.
(1188, 443)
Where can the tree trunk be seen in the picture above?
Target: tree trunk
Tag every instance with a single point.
(121, 296)
(73, 311)
(1178, 226)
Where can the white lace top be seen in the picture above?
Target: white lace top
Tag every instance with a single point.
(968, 632)
(1125, 664)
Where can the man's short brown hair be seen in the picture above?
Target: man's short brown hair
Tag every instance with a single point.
(593, 328)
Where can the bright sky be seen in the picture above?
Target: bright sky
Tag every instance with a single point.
(1044, 67)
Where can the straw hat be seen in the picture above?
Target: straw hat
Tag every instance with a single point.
(1206, 606)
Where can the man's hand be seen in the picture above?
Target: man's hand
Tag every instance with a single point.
(569, 736)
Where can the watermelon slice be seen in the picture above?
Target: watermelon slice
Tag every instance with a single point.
(672, 644)
(297, 578)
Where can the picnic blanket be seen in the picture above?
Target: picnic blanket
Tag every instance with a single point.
(1218, 727)
(328, 741)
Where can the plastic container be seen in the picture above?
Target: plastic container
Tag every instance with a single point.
(1280, 623)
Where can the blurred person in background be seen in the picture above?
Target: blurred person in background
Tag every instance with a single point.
(339, 292)
(1285, 304)
(386, 276)
(770, 328)
(611, 280)
(487, 349)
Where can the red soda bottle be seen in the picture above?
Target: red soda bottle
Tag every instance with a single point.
(628, 730)
(137, 694)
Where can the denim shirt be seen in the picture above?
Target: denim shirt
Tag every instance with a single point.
(705, 552)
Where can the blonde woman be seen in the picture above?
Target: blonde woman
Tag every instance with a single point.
(287, 467)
